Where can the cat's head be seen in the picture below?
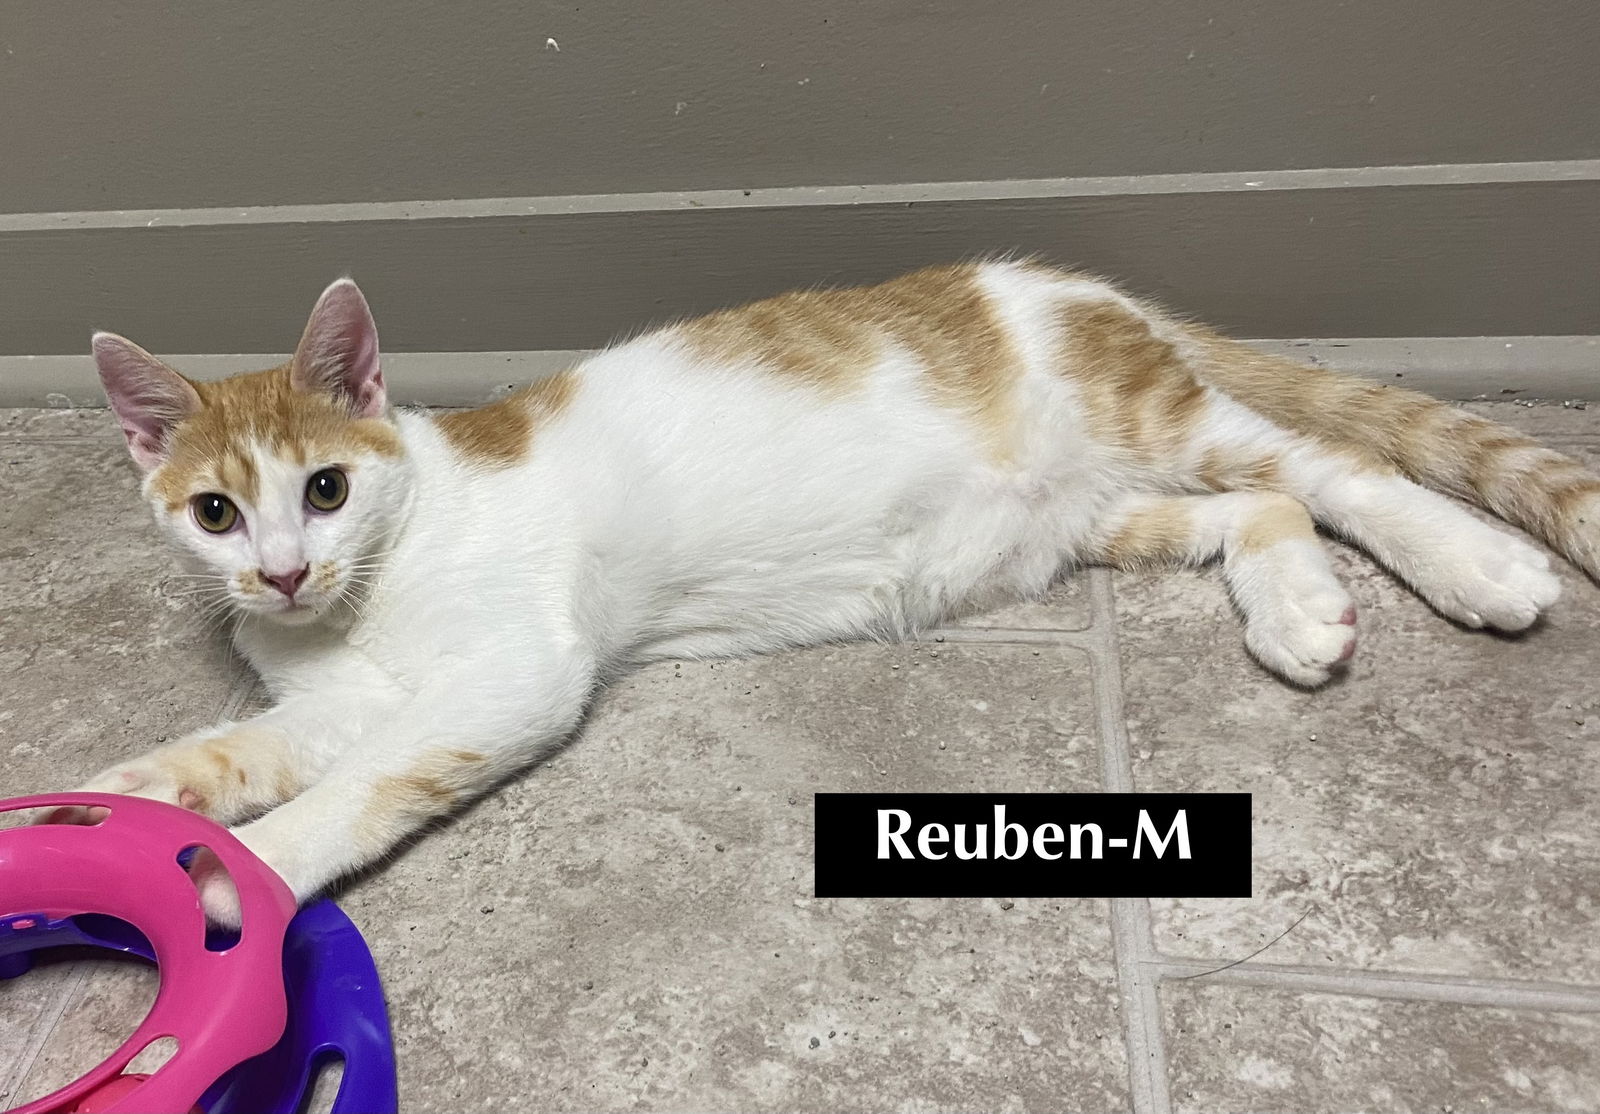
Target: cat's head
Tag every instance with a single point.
(285, 485)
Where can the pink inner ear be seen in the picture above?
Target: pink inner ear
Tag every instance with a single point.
(339, 351)
(146, 439)
(149, 398)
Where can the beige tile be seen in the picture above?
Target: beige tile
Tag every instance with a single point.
(631, 925)
(99, 657)
(30, 1005)
(1439, 810)
(107, 999)
(1246, 1049)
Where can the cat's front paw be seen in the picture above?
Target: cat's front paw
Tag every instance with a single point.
(1305, 640)
(289, 852)
(142, 777)
(218, 897)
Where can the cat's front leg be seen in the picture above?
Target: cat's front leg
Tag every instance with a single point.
(233, 771)
(449, 744)
(226, 772)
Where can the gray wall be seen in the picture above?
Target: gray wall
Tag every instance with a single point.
(179, 106)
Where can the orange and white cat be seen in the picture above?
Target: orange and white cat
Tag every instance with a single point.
(433, 599)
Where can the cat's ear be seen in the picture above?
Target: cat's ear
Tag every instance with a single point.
(148, 397)
(338, 352)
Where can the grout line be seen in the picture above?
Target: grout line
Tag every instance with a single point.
(39, 1038)
(1132, 948)
(876, 193)
(1456, 989)
(1116, 761)
(1016, 636)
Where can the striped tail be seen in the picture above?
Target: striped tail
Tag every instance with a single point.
(1546, 493)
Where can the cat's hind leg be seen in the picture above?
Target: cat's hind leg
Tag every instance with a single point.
(1299, 620)
(1467, 569)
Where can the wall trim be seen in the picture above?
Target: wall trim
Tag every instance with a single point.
(788, 197)
(1498, 368)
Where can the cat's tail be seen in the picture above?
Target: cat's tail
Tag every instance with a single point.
(1440, 446)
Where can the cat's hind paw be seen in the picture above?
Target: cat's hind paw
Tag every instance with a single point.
(1490, 579)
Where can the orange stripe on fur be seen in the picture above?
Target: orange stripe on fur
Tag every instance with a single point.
(1277, 518)
(499, 434)
(1137, 392)
(828, 340)
(211, 450)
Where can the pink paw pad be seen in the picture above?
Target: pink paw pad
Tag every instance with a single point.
(189, 799)
(1349, 619)
(1348, 652)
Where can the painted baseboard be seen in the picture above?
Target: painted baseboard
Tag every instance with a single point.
(1549, 367)
(1445, 250)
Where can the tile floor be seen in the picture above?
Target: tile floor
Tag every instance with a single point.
(630, 926)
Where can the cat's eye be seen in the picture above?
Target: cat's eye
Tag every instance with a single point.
(215, 513)
(327, 490)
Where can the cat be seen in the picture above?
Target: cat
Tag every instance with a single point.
(433, 599)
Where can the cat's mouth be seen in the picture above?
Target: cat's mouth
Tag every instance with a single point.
(302, 608)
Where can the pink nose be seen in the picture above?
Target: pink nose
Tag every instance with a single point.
(289, 582)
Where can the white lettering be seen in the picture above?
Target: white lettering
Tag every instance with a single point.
(1078, 831)
(1180, 826)
(1040, 839)
(1002, 836)
(886, 837)
(980, 851)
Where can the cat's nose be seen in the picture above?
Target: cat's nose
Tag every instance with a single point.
(287, 582)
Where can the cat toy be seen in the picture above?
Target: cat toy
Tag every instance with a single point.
(255, 1013)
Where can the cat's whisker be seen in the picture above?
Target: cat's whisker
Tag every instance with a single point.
(213, 615)
(354, 610)
(206, 606)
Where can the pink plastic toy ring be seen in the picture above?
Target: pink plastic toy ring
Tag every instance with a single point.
(222, 1007)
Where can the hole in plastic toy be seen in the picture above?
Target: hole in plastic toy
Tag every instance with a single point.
(153, 1056)
(112, 999)
(322, 1086)
(214, 884)
(113, 932)
(85, 817)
